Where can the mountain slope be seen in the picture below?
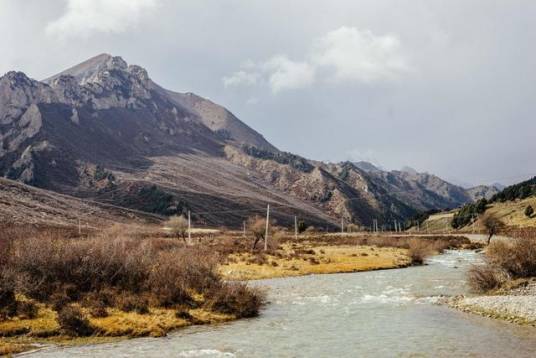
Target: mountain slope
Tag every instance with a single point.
(24, 204)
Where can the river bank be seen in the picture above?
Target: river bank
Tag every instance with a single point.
(200, 273)
(387, 313)
(516, 305)
(504, 281)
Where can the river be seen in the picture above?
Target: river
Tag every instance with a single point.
(390, 313)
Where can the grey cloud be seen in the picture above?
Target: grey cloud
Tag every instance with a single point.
(462, 105)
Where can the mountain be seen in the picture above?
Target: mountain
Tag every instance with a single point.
(366, 166)
(104, 131)
(482, 192)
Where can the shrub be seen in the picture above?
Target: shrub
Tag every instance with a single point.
(517, 257)
(178, 226)
(98, 311)
(504, 260)
(529, 210)
(8, 303)
(58, 271)
(132, 303)
(418, 250)
(183, 314)
(73, 322)
(58, 300)
(482, 278)
(236, 299)
(27, 310)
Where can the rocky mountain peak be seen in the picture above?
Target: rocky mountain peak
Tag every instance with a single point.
(16, 79)
(104, 70)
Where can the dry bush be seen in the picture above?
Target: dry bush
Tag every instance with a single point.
(73, 322)
(237, 299)
(418, 250)
(93, 271)
(26, 310)
(8, 303)
(98, 310)
(505, 260)
(517, 257)
(482, 278)
(183, 314)
(178, 226)
(48, 265)
(128, 302)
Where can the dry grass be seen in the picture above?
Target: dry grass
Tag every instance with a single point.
(320, 254)
(325, 259)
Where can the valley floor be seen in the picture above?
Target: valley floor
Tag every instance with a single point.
(310, 254)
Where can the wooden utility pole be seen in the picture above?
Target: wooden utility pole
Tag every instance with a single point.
(342, 225)
(295, 227)
(79, 227)
(244, 233)
(189, 228)
(266, 232)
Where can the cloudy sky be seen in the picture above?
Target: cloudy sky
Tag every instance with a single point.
(447, 87)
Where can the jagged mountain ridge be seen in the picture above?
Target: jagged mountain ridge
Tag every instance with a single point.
(104, 130)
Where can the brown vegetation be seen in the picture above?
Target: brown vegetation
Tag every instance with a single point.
(505, 260)
(178, 226)
(89, 282)
(492, 224)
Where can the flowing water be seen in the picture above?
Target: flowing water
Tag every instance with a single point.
(389, 313)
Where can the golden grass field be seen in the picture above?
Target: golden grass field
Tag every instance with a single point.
(325, 260)
(19, 335)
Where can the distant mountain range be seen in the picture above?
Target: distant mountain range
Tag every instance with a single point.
(104, 131)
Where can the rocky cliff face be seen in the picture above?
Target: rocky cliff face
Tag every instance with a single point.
(104, 130)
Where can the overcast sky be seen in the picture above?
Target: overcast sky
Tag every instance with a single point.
(447, 87)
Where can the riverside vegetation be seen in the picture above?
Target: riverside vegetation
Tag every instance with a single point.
(505, 282)
(130, 281)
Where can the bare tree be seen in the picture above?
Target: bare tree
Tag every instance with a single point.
(178, 226)
(492, 224)
(257, 226)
